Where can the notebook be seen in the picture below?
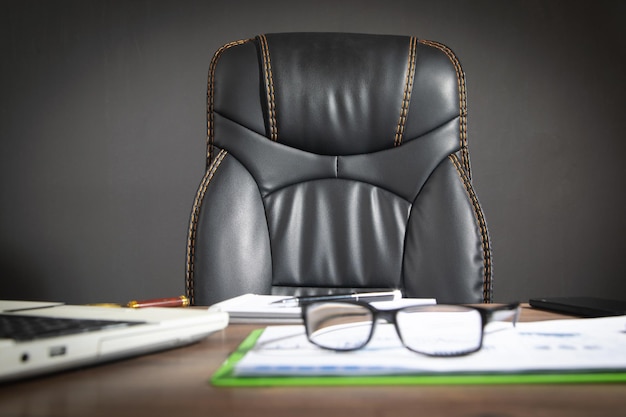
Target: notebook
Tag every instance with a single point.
(43, 337)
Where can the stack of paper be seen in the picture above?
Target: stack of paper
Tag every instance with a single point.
(254, 308)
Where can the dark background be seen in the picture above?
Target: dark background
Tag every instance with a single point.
(103, 125)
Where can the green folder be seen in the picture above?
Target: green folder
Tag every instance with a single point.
(224, 376)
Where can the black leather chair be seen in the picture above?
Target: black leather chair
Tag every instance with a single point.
(337, 162)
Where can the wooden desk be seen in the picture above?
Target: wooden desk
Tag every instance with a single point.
(175, 383)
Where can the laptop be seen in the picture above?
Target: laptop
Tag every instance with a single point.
(581, 306)
(44, 337)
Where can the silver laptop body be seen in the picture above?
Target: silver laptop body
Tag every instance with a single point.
(111, 333)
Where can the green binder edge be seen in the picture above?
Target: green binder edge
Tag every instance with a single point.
(224, 377)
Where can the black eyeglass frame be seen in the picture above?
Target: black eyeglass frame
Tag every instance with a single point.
(487, 315)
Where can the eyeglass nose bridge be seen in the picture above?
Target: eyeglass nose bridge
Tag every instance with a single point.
(388, 316)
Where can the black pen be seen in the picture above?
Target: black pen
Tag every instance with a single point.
(365, 296)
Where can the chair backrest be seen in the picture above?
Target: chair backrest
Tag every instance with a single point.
(337, 162)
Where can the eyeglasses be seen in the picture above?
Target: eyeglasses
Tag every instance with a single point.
(433, 330)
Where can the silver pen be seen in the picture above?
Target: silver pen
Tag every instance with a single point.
(365, 296)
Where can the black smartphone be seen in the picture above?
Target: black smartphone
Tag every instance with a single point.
(581, 306)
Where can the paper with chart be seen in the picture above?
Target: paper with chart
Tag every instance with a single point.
(577, 345)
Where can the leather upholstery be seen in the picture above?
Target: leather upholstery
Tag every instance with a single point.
(337, 162)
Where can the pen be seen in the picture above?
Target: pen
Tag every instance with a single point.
(366, 296)
(181, 301)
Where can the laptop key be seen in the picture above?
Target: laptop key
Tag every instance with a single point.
(22, 328)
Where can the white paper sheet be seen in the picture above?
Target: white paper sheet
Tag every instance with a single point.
(547, 346)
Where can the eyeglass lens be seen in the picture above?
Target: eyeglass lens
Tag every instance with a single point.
(338, 326)
(438, 330)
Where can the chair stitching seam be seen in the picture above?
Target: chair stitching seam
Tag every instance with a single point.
(269, 87)
(482, 225)
(193, 224)
(460, 75)
(408, 88)
(210, 96)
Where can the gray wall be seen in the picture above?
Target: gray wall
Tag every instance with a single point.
(102, 129)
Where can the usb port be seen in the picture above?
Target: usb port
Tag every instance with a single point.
(57, 351)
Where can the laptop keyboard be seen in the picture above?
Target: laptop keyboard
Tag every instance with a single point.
(23, 328)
